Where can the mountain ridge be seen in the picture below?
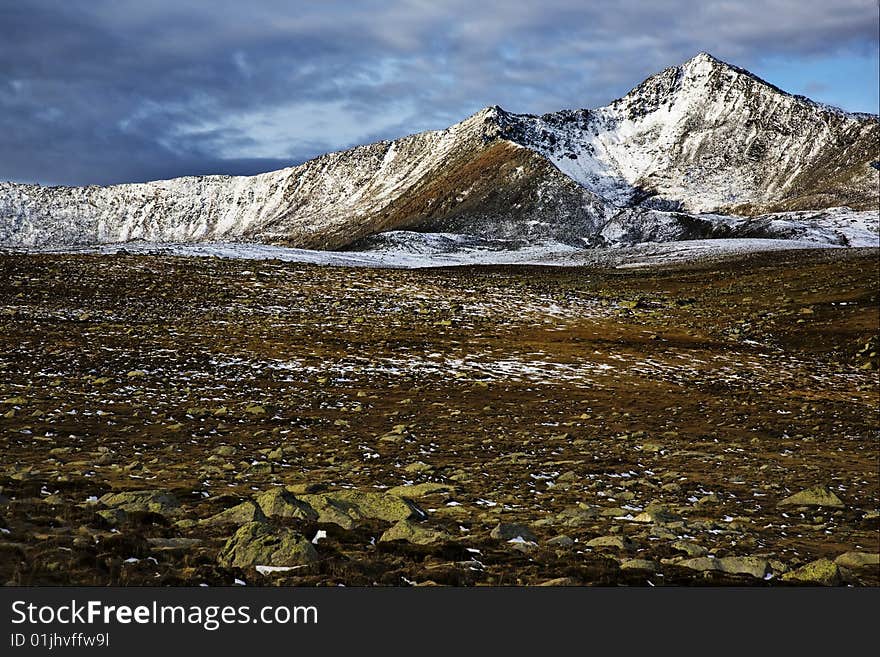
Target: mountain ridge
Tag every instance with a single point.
(702, 137)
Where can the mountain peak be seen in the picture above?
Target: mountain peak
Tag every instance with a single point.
(704, 57)
(704, 63)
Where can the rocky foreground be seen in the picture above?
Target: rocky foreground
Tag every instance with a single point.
(186, 421)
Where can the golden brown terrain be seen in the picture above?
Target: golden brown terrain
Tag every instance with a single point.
(463, 426)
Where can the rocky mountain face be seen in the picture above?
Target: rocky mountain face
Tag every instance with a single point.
(683, 154)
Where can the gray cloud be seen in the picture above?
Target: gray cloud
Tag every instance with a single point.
(105, 90)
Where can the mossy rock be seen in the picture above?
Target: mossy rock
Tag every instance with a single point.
(259, 544)
(419, 490)
(348, 507)
(816, 496)
(413, 532)
(280, 503)
(822, 572)
(247, 511)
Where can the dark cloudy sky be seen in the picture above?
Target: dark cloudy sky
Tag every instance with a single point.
(100, 91)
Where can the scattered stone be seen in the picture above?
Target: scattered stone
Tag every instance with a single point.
(257, 543)
(816, 496)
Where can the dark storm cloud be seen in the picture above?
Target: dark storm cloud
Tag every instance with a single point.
(104, 91)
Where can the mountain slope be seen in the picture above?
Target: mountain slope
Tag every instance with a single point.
(710, 137)
(701, 137)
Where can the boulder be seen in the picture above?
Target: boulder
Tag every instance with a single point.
(858, 560)
(754, 566)
(280, 503)
(151, 501)
(347, 507)
(247, 511)
(640, 564)
(419, 490)
(507, 531)
(822, 572)
(258, 543)
(413, 532)
(816, 496)
(657, 514)
(701, 564)
(690, 549)
(615, 541)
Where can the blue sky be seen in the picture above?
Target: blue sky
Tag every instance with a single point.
(847, 80)
(103, 91)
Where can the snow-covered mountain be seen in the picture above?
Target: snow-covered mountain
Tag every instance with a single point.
(701, 150)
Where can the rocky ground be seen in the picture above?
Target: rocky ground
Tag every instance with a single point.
(186, 421)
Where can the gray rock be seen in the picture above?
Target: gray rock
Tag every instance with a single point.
(561, 541)
(507, 531)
